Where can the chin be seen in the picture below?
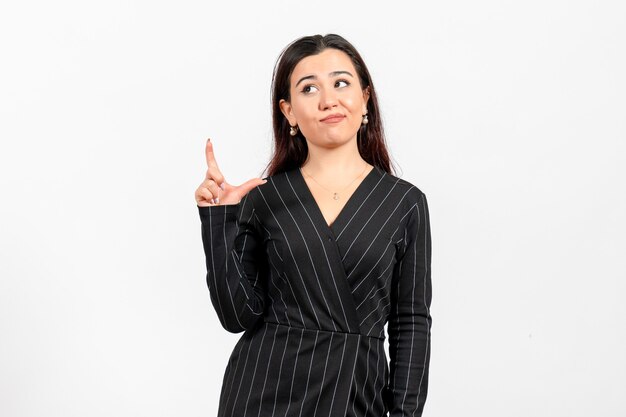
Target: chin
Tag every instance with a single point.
(334, 141)
(338, 138)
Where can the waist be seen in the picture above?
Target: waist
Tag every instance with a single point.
(313, 331)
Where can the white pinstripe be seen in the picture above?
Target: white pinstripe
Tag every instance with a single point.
(367, 373)
(293, 375)
(317, 278)
(328, 263)
(358, 343)
(304, 286)
(373, 311)
(375, 380)
(408, 374)
(278, 273)
(256, 364)
(267, 369)
(233, 373)
(426, 234)
(273, 303)
(373, 268)
(242, 276)
(330, 344)
(387, 273)
(280, 371)
(232, 301)
(243, 373)
(403, 389)
(380, 204)
(306, 390)
(285, 278)
(382, 329)
(280, 293)
(360, 205)
(219, 302)
(343, 351)
(382, 288)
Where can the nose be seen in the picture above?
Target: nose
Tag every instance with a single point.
(328, 99)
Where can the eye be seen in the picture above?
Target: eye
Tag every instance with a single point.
(307, 88)
(342, 81)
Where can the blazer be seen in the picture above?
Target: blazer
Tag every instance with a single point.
(313, 299)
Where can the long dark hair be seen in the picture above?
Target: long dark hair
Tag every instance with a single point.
(291, 151)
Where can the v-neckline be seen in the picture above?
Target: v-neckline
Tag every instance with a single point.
(349, 205)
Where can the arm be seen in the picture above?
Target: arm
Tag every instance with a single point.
(409, 319)
(236, 267)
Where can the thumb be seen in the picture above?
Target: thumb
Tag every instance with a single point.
(250, 184)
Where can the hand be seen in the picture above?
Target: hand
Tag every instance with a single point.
(214, 190)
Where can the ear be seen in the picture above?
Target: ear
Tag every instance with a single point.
(366, 97)
(287, 110)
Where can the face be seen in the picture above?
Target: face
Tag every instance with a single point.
(327, 101)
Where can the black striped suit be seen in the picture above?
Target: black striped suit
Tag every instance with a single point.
(314, 299)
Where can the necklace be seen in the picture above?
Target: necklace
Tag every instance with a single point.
(335, 194)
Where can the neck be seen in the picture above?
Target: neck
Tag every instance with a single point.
(327, 163)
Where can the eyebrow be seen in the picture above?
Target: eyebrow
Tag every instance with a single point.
(331, 74)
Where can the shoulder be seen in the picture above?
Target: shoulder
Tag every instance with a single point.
(279, 176)
(262, 189)
(411, 193)
(278, 181)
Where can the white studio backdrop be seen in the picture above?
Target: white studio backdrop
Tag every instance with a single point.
(509, 115)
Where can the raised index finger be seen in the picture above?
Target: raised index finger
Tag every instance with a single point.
(210, 156)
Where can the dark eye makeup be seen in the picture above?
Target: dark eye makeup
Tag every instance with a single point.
(306, 88)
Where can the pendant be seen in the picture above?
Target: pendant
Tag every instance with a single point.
(335, 197)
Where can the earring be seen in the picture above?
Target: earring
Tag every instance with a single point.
(365, 121)
(293, 130)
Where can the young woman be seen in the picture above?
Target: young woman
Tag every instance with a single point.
(313, 260)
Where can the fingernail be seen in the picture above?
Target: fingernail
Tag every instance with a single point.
(217, 200)
(222, 186)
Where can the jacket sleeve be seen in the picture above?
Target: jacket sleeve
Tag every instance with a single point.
(235, 263)
(409, 319)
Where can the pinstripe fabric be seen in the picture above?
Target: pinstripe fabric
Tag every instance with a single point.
(313, 299)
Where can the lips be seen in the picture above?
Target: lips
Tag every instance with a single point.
(333, 118)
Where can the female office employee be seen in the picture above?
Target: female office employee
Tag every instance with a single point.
(312, 261)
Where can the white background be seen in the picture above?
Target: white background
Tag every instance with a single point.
(509, 115)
